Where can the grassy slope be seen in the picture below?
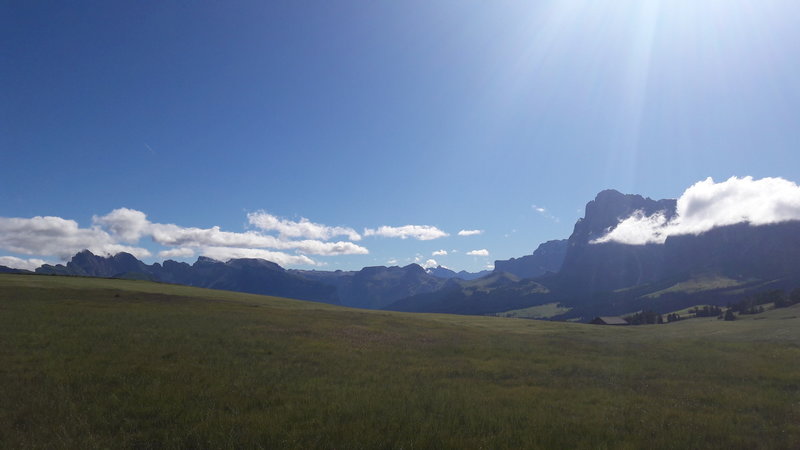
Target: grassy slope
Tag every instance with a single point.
(111, 363)
(699, 284)
(536, 312)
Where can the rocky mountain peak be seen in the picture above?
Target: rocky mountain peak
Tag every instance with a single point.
(609, 208)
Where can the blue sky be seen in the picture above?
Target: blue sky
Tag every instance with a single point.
(505, 117)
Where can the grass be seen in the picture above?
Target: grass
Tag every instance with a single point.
(95, 363)
(537, 312)
(699, 284)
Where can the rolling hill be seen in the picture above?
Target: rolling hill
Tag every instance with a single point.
(98, 363)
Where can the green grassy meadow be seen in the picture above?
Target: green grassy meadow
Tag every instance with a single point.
(97, 363)
(536, 312)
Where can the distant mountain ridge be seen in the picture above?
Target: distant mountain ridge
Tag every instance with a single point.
(444, 272)
(578, 275)
(614, 278)
(495, 292)
(378, 286)
(370, 287)
(255, 276)
(4, 269)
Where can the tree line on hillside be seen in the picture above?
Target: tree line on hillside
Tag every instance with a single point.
(653, 318)
(751, 304)
(645, 318)
(754, 303)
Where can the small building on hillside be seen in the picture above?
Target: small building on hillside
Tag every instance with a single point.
(609, 320)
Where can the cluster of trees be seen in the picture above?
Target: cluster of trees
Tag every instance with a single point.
(792, 298)
(644, 318)
(652, 317)
(707, 311)
(754, 304)
(674, 317)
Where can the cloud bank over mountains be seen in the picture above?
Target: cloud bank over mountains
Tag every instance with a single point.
(121, 230)
(20, 263)
(130, 226)
(707, 205)
(62, 238)
(33, 241)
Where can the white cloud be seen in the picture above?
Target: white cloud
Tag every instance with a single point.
(130, 225)
(62, 238)
(19, 263)
(280, 258)
(440, 253)
(327, 248)
(420, 232)
(54, 236)
(429, 264)
(181, 252)
(707, 205)
(126, 224)
(176, 236)
(392, 262)
(481, 252)
(469, 232)
(302, 228)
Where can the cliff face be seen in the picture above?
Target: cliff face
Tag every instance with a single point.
(609, 208)
(737, 251)
(548, 257)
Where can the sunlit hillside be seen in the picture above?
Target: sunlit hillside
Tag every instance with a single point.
(98, 363)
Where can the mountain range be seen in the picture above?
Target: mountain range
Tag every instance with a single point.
(580, 275)
(444, 272)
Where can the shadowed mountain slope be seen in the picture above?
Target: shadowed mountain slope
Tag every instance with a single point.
(255, 276)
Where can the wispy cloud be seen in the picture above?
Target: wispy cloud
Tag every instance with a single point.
(481, 252)
(469, 232)
(440, 253)
(302, 228)
(707, 205)
(420, 232)
(545, 213)
(131, 225)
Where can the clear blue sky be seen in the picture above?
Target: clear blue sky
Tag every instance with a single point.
(452, 114)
